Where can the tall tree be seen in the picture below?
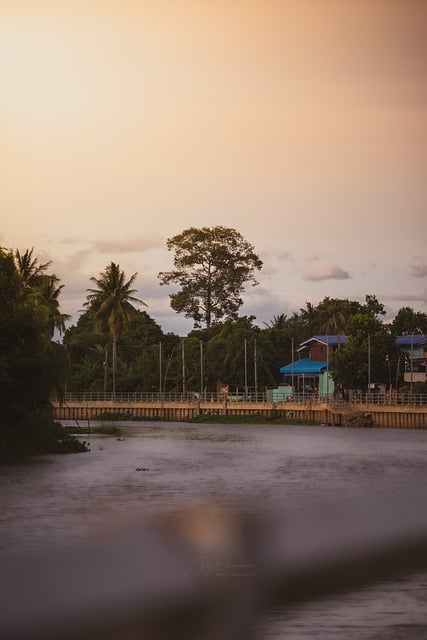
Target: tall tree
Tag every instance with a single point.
(240, 355)
(32, 367)
(364, 357)
(331, 316)
(137, 366)
(372, 306)
(40, 289)
(111, 304)
(29, 268)
(46, 297)
(408, 321)
(278, 323)
(212, 265)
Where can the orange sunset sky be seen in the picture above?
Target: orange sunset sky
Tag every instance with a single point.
(301, 123)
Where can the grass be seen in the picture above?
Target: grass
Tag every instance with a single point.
(104, 430)
(248, 419)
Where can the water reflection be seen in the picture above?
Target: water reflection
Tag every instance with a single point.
(60, 500)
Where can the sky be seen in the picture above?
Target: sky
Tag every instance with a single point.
(300, 123)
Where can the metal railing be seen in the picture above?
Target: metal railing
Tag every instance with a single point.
(408, 399)
(411, 399)
(140, 396)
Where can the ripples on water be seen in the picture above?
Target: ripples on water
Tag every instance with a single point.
(59, 500)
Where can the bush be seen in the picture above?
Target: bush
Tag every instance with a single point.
(34, 434)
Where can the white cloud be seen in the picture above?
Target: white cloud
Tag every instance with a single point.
(131, 244)
(419, 268)
(407, 297)
(324, 270)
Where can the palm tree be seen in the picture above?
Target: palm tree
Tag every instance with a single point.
(29, 269)
(46, 295)
(279, 322)
(111, 304)
(308, 318)
(40, 289)
(332, 316)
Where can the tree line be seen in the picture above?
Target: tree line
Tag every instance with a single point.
(117, 346)
(212, 266)
(32, 365)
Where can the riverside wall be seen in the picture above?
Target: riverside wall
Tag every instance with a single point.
(397, 416)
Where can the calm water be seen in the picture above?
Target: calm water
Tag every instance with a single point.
(59, 500)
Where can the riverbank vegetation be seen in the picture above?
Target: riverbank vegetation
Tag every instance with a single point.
(150, 361)
(115, 346)
(32, 366)
(248, 419)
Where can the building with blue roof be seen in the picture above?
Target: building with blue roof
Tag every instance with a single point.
(311, 374)
(308, 376)
(414, 350)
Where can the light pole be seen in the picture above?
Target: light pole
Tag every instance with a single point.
(387, 357)
(246, 370)
(105, 369)
(201, 368)
(183, 365)
(292, 370)
(255, 370)
(369, 362)
(160, 369)
(327, 368)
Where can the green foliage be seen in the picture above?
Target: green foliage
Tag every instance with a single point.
(31, 366)
(110, 305)
(369, 342)
(419, 387)
(40, 289)
(216, 354)
(137, 354)
(212, 265)
(332, 315)
(36, 433)
(236, 344)
(408, 321)
(248, 419)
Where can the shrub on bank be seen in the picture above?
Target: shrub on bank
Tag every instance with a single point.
(36, 434)
(247, 419)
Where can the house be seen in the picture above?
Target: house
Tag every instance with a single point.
(307, 376)
(413, 349)
(310, 374)
(320, 348)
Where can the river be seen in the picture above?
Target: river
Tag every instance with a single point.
(62, 500)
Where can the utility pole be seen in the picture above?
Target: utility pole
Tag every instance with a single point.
(201, 368)
(369, 362)
(246, 370)
(160, 369)
(387, 357)
(105, 369)
(292, 374)
(255, 369)
(327, 368)
(183, 365)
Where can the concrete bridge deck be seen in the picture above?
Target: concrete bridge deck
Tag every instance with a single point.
(315, 412)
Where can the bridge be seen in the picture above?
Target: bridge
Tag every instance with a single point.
(398, 411)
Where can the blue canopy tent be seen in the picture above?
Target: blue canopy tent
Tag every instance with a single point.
(310, 376)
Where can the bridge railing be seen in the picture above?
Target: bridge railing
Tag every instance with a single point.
(411, 399)
(408, 399)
